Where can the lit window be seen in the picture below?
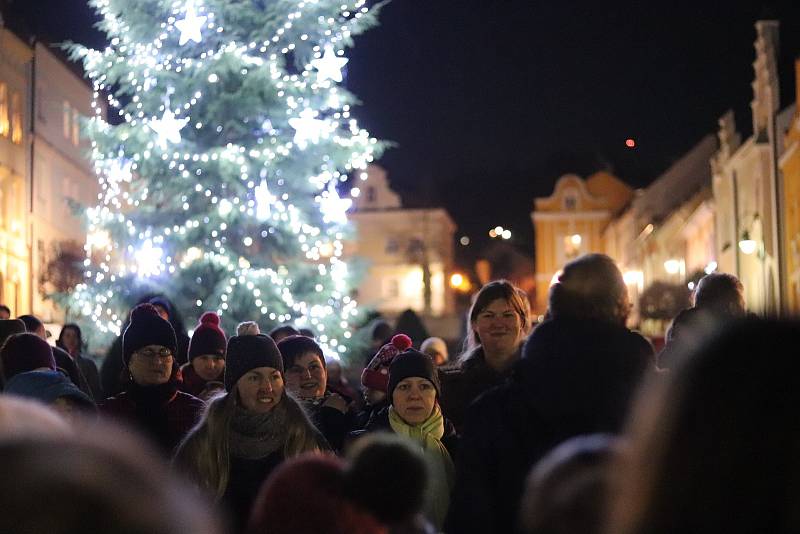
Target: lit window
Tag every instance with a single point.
(4, 129)
(570, 202)
(16, 118)
(76, 134)
(67, 115)
(370, 194)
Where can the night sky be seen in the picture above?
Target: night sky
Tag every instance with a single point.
(490, 101)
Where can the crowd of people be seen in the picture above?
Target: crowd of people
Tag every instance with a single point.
(572, 425)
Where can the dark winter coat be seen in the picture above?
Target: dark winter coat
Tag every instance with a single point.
(90, 373)
(65, 362)
(380, 423)
(462, 384)
(575, 377)
(162, 412)
(245, 479)
(331, 423)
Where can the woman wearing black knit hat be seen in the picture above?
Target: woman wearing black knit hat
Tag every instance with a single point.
(413, 391)
(151, 401)
(249, 430)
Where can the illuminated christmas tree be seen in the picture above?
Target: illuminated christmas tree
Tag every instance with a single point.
(219, 178)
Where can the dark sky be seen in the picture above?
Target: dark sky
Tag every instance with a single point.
(489, 101)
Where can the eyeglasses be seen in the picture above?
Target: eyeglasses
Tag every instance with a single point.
(152, 354)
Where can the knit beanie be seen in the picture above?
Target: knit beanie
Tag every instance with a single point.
(376, 374)
(10, 326)
(412, 363)
(293, 347)
(208, 337)
(147, 328)
(47, 386)
(25, 352)
(249, 352)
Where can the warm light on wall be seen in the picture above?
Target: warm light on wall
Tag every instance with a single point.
(633, 277)
(672, 266)
(576, 239)
(747, 245)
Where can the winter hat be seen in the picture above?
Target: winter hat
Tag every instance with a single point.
(412, 363)
(246, 353)
(376, 374)
(162, 303)
(208, 337)
(47, 386)
(25, 352)
(293, 347)
(10, 326)
(147, 328)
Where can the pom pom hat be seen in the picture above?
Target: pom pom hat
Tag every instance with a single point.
(249, 352)
(376, 374)
(208, 337)
(147, 328)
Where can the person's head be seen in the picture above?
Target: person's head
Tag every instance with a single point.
(33, 325)
(53, 389)
(25, 352)
(70, 338)
(20, 417)
(566, 490)
(334, 369)
(5, 312)
(254, 372)
(162, 306)
(436, 348)
(388, 476)
(413, 386)
(149, 346)
(9, 327)
(720, 293)
(247, 328)
(379, 332)
(207, 347)
(713, 445)
(375, 376)
(307, 494)
(304, 362)
(499, 318)
(590, 287)
(100, 480)
(282, 331)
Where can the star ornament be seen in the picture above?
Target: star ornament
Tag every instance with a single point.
(333, 207)
(263, 200)
(190, 26)
(329, 66)
(167, 128)
(307, 128)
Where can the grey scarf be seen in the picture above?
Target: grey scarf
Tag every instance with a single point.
(257, 435)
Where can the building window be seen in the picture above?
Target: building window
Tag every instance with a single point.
(67, 115)
(4, 127)
(370, 194)
(16, 118)
(392, 288)
(570, 202)
(392, 246)
(76, 125)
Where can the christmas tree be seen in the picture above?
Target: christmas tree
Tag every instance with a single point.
(228, 132)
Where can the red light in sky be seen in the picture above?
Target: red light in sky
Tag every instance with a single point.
(630, 143)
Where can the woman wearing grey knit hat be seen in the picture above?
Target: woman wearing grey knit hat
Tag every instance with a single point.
(248, 430)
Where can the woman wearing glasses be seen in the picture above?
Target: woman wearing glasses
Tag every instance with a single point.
(151, 401)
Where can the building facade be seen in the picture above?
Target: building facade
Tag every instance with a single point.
(407, 255)
(789, 165)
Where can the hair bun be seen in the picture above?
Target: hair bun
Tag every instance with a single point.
(402, 342)
(209, 317)
(144, 310)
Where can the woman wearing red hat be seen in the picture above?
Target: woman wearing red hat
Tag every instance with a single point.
(203, 374)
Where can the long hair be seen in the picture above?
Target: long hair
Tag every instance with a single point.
(496, 289)
(77, 329)
(204, 455)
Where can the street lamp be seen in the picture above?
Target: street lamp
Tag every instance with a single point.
(746, 244)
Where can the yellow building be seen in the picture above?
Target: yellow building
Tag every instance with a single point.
(790, 170)
(571, 222)
(15, 287)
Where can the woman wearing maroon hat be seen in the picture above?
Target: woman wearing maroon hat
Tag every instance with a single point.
(151, 401)
(203, 374)
(413, 391)
(249, 430)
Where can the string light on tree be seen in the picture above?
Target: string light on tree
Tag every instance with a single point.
(191, 212)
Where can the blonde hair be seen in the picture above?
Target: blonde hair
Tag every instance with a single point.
(248, 328)
(204, 455)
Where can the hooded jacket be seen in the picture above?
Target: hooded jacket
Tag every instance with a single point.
(575, 377)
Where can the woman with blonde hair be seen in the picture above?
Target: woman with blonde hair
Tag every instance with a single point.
(499, 321)
(248, 430)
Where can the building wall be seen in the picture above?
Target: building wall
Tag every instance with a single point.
(15, 59)
(61, 170)
(790, 175)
